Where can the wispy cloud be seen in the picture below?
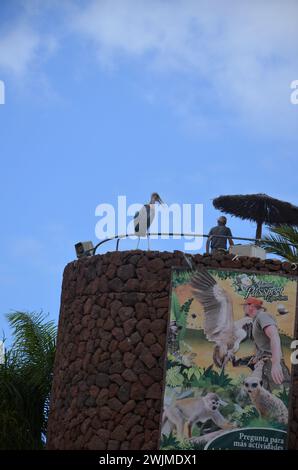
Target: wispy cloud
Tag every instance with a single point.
(235, 56)
(18, 49)
(204, 56)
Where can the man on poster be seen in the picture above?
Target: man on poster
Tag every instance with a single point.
(267, 342)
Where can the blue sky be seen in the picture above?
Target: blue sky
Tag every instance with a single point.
(106, 98)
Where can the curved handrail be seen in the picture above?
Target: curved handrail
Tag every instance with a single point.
(171, 234)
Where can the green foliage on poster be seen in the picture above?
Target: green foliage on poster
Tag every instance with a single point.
(179, 314)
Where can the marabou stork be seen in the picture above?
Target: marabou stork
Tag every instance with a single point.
(144, 217)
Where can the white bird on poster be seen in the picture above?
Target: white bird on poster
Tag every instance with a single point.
(219, 324)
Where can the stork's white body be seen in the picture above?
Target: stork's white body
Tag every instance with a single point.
(144, 219)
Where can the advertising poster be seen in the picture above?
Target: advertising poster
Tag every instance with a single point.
(228, 362)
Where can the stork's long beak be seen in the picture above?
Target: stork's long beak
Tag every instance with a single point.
(159, 200)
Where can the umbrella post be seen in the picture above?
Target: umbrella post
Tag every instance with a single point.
(259, 230)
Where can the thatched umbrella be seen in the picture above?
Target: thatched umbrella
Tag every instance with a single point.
(259, 208)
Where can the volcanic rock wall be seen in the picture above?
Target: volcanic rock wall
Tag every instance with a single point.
(109, 365)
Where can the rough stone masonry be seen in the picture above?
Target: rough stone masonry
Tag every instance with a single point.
(108, 372)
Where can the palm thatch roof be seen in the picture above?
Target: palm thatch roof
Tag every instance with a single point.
(260, 208)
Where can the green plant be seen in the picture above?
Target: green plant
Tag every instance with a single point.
(283, 395)
(181, 375)
(174, 378)
(278, 242)
(181, 277)
(169, 442)
(220, 379)
(179, 314)
(25, 381)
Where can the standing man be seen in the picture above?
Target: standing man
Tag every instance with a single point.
(219, 242)
(267, 342)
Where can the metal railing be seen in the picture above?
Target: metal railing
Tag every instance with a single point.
(117, 238)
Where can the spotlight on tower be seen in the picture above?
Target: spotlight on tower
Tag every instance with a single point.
(84, 249)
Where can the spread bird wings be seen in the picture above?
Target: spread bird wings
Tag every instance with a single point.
(218, 309)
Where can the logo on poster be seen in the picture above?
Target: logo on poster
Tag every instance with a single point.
(251, 286)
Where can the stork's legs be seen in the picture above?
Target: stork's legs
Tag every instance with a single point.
(139, 243)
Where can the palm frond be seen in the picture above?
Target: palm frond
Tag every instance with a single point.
(35, 345)
(283, 242)
(25, 381)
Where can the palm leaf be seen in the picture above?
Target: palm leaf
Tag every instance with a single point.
(283, 241)
(25, 381)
